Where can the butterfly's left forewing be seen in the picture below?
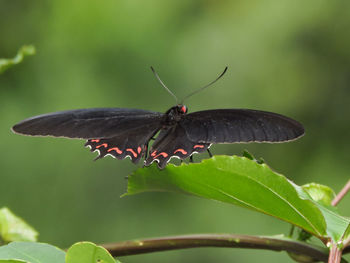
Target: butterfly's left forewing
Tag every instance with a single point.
(110, 131)
(89, 123)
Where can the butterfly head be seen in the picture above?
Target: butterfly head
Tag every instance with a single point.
(174, 114)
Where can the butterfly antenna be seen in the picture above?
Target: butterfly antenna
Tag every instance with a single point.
(161, 82)
(206, 86)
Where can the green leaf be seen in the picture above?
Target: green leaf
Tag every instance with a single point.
(13, 261)
(13, 228)
(323, 195)
(240, 181)
(24, 51)
(88, 252)
(337, 225)
(31, 252)
(320, 193)
(347, 233)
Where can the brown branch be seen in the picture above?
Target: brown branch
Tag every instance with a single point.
(341, 194)
(216, 240)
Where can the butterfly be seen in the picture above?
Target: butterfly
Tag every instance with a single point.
(122, 132)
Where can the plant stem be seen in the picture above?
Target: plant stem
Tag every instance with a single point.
(291, 231)
(341, 194)
(335, 254)
(216, 240)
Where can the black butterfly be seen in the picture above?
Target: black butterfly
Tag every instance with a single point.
(121, 132)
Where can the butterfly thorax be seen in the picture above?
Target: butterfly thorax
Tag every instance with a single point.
(174, 115)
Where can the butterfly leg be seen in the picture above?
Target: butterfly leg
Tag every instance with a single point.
(146, 151)
(210, 155)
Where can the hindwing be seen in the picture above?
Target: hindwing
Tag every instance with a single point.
(133, 144)
(173, 142)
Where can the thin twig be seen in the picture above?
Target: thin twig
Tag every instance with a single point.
(341, 194)
(291, 231)
(216, 240)
(335, 253)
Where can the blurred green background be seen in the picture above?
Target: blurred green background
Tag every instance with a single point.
(290, 57)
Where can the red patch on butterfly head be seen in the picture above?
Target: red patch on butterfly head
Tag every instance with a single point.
(183, 109)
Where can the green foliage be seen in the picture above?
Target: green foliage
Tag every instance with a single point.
(88, 252)
(320, 193)
(24, 51)
(31, 252)
(244, 182)
(336, 224)
(14, 228)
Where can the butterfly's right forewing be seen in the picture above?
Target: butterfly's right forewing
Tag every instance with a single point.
(240, 125)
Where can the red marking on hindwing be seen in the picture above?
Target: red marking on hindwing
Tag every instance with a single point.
(132, 151)
(165, 155)
(198, 146)
(103, 144)
(154, 153)
(115, 149)
(181, 150)
(139, 149)
(95, 140)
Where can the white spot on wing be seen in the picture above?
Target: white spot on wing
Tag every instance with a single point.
(108, 154)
